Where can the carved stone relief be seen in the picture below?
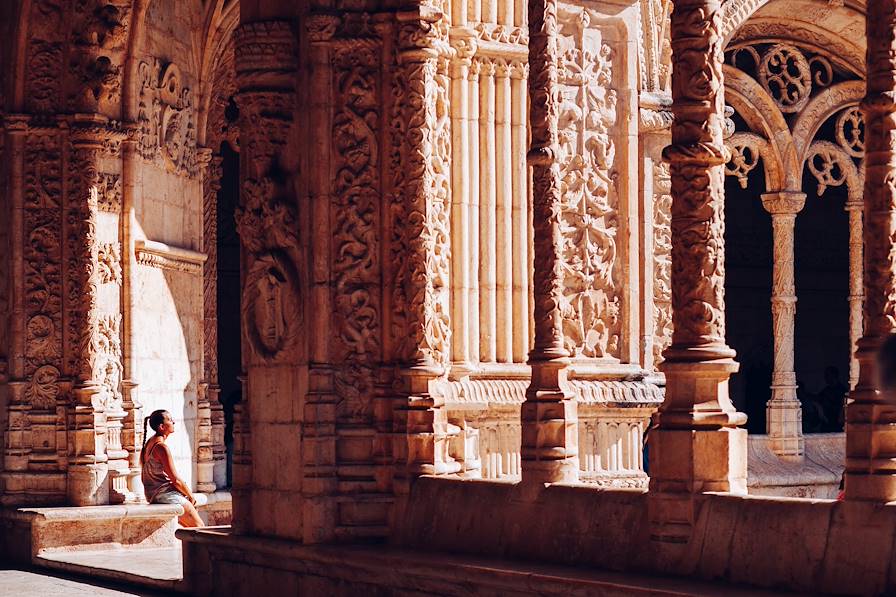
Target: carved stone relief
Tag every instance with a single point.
(587, 119)
(166, 119)
(109, 262)
(662, 260)
(355, 261)
(267, 226)
(421, 177)
(109, 193)
(43, 266)
(655, 49)
(108, 360)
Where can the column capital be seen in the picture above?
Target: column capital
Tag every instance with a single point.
(784, 202)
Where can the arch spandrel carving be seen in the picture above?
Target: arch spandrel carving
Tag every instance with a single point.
(819, 109)
(761, 114)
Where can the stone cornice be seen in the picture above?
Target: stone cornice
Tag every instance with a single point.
(162, 256)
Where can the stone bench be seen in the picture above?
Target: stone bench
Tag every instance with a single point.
(28, 533)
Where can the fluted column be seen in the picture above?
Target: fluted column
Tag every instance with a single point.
(784, 421)
(503, 213)
(461, 231)
(549, 425)
(697, 446)
(871, 417)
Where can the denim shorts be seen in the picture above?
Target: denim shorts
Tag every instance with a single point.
(171, 497)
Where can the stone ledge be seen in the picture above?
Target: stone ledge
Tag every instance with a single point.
(817, 475)
(32, 532)
(155, 568)
(155, 254)
(220, 563)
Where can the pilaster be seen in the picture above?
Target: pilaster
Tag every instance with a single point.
(420, 216)
(267, 421)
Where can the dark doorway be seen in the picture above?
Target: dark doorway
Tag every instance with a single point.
(229, 349)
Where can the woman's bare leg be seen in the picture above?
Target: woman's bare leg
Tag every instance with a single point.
(190, 518)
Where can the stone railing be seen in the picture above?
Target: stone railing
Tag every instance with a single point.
(484, 417)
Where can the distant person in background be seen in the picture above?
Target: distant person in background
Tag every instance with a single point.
(831, 399)
(813, 416)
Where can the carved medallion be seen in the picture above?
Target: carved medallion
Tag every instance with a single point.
(166, 119)
(271, 304)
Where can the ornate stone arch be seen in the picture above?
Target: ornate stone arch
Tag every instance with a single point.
(736, 12)
(761, 114)
(819, 109)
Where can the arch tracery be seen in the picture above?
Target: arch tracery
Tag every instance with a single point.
(784, 90)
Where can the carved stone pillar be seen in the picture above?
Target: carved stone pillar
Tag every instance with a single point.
(871, 417)
(784, 421)
(88, 467)
(420, 216)
(697, 446)
(548, 416)
(207, 393)
(17, 435)
(856, 299)
(271, 303)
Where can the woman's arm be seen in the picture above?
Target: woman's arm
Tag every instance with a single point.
(168, 465)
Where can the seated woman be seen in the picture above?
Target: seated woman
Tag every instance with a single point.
(160, 481)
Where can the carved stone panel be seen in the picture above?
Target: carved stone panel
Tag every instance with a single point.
(589, 220)
(43, 268)
(355, 256)
(166, 119)
(662, 260)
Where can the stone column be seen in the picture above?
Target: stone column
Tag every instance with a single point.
(548, 416)
(208, 387)
(784, 421)
(697, 446)
(87, 483)
(854, 207)
(421, 212)
(871, 417)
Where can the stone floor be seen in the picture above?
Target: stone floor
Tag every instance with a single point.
(44, 583)
(160, 568)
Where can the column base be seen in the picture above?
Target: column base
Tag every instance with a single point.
(88, 484)
(549, 421)
(697, 390)
(871, 452)
(784, 424)
(695, 461)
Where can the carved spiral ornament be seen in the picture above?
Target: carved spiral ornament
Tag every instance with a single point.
(850, 132)
(827, 164)
(744, 158)
(786, 75)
